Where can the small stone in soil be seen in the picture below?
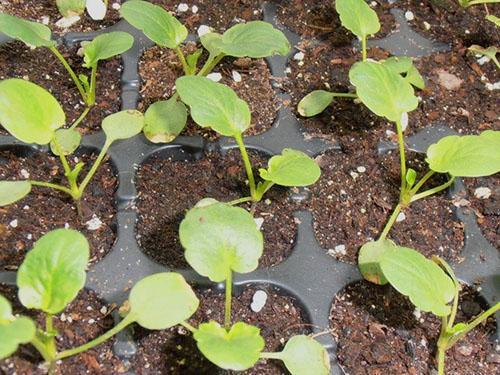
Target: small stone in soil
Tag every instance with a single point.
(482, 193)
(258, 301)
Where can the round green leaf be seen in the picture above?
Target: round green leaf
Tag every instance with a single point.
(66, 141)
(219, 238)
(214, 105)
(13, 191)
(31, 33)
(314, 103)
(466, 156)
(358, 17)
(254, 39)
(155, 22)
(162, 300)
(304, 355)
(20, 330)
(238, 350)
(212, 43)
(291, 168)
(369, 258)
(382, 90)
(53, 272)
(123, 125)
(106, 46)
(29, 112)
(165, 120)
(423, 281)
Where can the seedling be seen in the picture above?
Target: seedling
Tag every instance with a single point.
(490, 52)
(219, 240)
(102, 47)
(166, 119)
(32, 115)
(50, 278)
(217, 106)
(72, 8)
(469, 3)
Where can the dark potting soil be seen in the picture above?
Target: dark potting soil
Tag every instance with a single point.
(45, 11)
(356, 195)
(160, 67)
(174, 351)
(24, 222)
(217, 14)
(379, 331)
(168, 188)
(86, 318)
(486, 209)
(19, 61)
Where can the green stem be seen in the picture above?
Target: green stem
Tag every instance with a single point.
(82, 348)
(92, 171)
(478, 2)
(402, 157)
(495, 60)
(71, 72)
(210, 64)
(248, 165)
(229, 292)
(42, 349)
(238, 201)
(391, 222)
(188, 326)
(421, 183)
(363, 47)
(80, 119)
(268, 355)
(93, 85)
(344, 95)
(441, 347)
(263, 189)
(185, 66)
(432, 191)
(52, 186)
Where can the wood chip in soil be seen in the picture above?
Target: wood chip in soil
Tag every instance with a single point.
(380, 332)
(43, 210)
(46, 12)
(86, 318)
(168, 188)
(174, 351)
(159, 68)
(357, 193)
(19, 61)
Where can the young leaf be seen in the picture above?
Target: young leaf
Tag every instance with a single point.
(404, 65)
(53, 272)
(314, 103)
(494, 19)
(219, 238)
(69, 8)
(165, 120)
(29, 112)
(13, 330)
(466, 156)
(65, 141)
(122, 125)
(31, 33)
(155, 22)
(423, 281)
(414, 77)
(254, 39)
(162, 300)
(304, 355)
(291, 168)
(369, 259)
(105, 46)
(212, 43)
(411, 177)
(357, 17)
(214, 105)
(192, 60)
(13, 191)
(382, 90)
(238, 350)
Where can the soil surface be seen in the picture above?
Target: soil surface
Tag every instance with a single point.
(19, 61)
(168, 188)
(357, 193)
(46, 12)
(84, 319)
(24, 222)
(379, 332)
(174, 351)
(160, 67)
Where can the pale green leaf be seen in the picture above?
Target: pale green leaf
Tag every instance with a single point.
(214, 105)
(155, 22)
(65, 141)
(31, 33)
(13, 191)
(369, 259)
(161, 301)
(105, 46)
(357, 17)
(411, 177)
(315, 102)
(404, 65)
(122, 125)
(291, 168)
(13, 330)
(494, 19)
(219, 238)
(53, 272)
(238, 350)
(466, 156)
(69, 8)
(304, 355)
(29, 112)
(212, 43)
(165, 120)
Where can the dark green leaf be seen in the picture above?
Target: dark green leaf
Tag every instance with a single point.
(106, 46)
(31, 33)
(315, 102)
(123, 125)
(165, 120)
(358, 17)
(13, 191)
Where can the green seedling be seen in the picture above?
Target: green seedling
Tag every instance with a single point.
(95, 8)
(32, 115)
(220, 240)
(217, 107)
(50, 278)
(469, 3)
(431, 286)
(490, 52)
(493, 19)
(166, 119)
(102, 47)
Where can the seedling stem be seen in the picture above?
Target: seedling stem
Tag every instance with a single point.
(229, 292)
(248, 166)
(363, 46)
(185, 66)
(71, 72)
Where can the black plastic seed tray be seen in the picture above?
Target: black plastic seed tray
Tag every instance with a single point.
(309, 274)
